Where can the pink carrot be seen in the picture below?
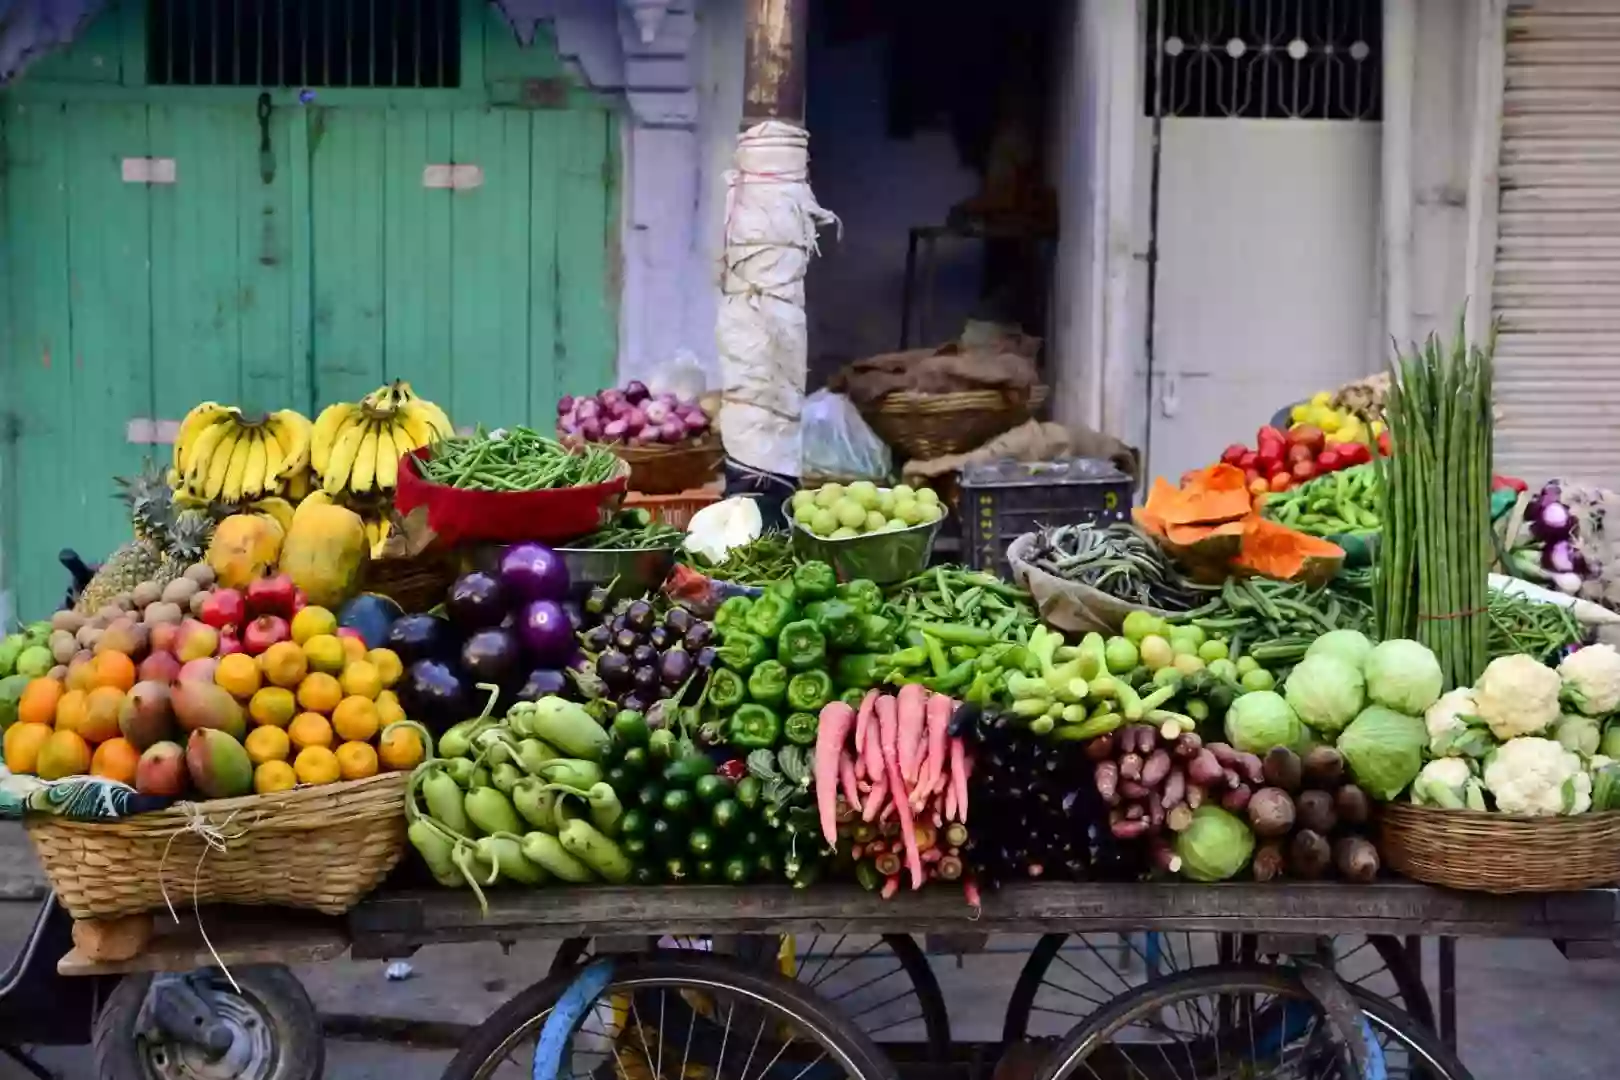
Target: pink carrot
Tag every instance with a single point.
(939, 712)
(863, 720)
(888, 737)
(970, 892)
(950, 802)
(912, 704)
(846, 777)
(870, 746)
(959, 776)
(836, 720)
(891, 885)
(880, 777)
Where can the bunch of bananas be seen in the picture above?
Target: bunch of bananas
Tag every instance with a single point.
(356, 446)
(221, 455)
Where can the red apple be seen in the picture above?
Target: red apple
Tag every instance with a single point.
(271, 595)
(264, 632)
(224, 607)
(161, 666)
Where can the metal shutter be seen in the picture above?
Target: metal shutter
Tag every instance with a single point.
(1556, 289)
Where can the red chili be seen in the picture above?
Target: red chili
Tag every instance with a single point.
(733, 770)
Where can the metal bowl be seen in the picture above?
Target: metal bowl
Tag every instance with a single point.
(630, 571)
(883, 557)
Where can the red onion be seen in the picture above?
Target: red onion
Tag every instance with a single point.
(635, 391)
(635, 417)
(614, 429)
(590, 430)
(565, 404)
(657, 412)
(612, 400)
(588, 409)
(672, 431)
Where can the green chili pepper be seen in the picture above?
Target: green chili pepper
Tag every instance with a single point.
(808, 691)
(726, 689)
(877, 633)
(732, 614)
(813, 581)
(863, 595)
(953, 680)
(801, 646)
(800, 727)
(839, 621)
(853, 697)
(753, 727)
(742, 651)
(769, 614)
(768, 683)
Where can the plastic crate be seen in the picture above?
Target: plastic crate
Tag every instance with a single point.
(1004, 499)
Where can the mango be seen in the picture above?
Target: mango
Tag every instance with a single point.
(325, 553)
(244, 549)
(162, 770)
(219, 765)
(201, 706)
(146, 716)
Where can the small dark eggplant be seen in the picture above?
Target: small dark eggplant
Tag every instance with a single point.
(575, 613)
(476, 601)
(635, 702)
(675, 668)
(597, 639)
(422, 637)
(679, 620)
(490, 656)
(639, 616)
(543, 682)
(616, 624)
(643, 656)
(645, 680)
(698, 636)
(626, 640)
(596, 602)
(433, 693)
(705, 657)
(660, 637)
(613, 667)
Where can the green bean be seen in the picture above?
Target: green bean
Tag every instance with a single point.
(516, 459)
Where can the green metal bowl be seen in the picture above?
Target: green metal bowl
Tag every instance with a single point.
(631, 571)
(883, 557)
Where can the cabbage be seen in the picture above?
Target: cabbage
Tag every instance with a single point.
(1215, 846)
(1610, 746)
(1326, 691)
(1383, 750)
(1259, 721)
(1350, 646)
(1578, 733)
(1403, 675)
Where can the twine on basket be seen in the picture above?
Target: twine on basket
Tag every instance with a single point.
(214, 838)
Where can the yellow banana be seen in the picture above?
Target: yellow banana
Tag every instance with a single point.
(201, 454)
(193, 458)
(192, 425)
(435, 416)
(365, 461)
(219, 464)
(344, 450)
(253, 470)
(411, 428)
(280, 509)
(298, 485)
(388, 454)
(236, 470)
(273, 483)
(292, 431)
(325, 433)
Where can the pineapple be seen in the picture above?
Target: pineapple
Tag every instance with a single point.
(166, 540)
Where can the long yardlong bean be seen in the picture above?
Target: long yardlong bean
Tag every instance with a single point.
(1118, 559)
(516, 459)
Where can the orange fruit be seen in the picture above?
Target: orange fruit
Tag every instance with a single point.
(361, 678)
(22, 745)
(356, 760)
(38, 702)
(313, 621)
(116, 760)
(284, 664)
(389, 709)
(317, 765)
(355, 719)
(267, 743)
(274, 705)
(319, 692)
(400, 748)
(112, 669)
(238, 673)
(274, 776)
(101, 708)
(310, 729)
(354, 647)
(64, 754)
(325, 653)
(81, 673)
(390, 668)
(70, 710)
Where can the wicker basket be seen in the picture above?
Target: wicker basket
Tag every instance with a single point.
(668, 470)
(931, 425)
(321, 848)
(673, 510)
(1501, 853)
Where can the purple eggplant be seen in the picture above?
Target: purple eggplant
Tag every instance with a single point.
(613, 668)
(645, 681)
(476, 601)
(675, 667)
(533, 572)
(1559, 557)
(547, 637)
(422, 637)
(1551, 522)
(435, 694)
(491, 656)
(543, 682)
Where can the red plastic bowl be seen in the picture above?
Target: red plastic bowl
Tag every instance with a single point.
(551, 516)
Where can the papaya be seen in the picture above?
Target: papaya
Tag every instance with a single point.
(325, 553)
(244, 549)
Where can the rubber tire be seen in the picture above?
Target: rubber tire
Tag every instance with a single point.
(1414, 998)
(284, 1003)
(1153, 996)
(935, 1016)
(869, 1062)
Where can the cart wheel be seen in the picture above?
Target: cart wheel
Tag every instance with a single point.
(883, 984)
(274, 1031)
(1068, 978)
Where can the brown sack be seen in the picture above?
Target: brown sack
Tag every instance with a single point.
(1035, 441)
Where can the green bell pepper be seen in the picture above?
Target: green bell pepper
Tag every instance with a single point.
(768, 683)
(754, 727)
(878, 633)
(742, 651)
(801, 646)
(852, 697)
(800, 728)
(839, 621)
(726, 689)
(813, 581)
(808, 691)
(863, 595)
(860, 671)
(769, 614)
(732, 614)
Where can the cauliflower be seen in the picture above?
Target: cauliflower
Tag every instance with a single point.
(1517, 695)
(1578, 733)
(1455, 729)
(1538, 778)
(716, 529)
(1450, 783)
(1592, 679)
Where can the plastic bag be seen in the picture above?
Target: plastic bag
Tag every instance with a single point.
(682, 375)
(838, 444)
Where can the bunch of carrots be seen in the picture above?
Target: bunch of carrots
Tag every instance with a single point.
(892, 781)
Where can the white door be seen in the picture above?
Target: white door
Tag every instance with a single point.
(1267, 218)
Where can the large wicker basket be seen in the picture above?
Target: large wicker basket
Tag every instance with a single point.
(669, 470)
(931, 425)
(321, 848)
(1501, 853)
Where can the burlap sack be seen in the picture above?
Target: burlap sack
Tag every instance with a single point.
(1069, 605)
